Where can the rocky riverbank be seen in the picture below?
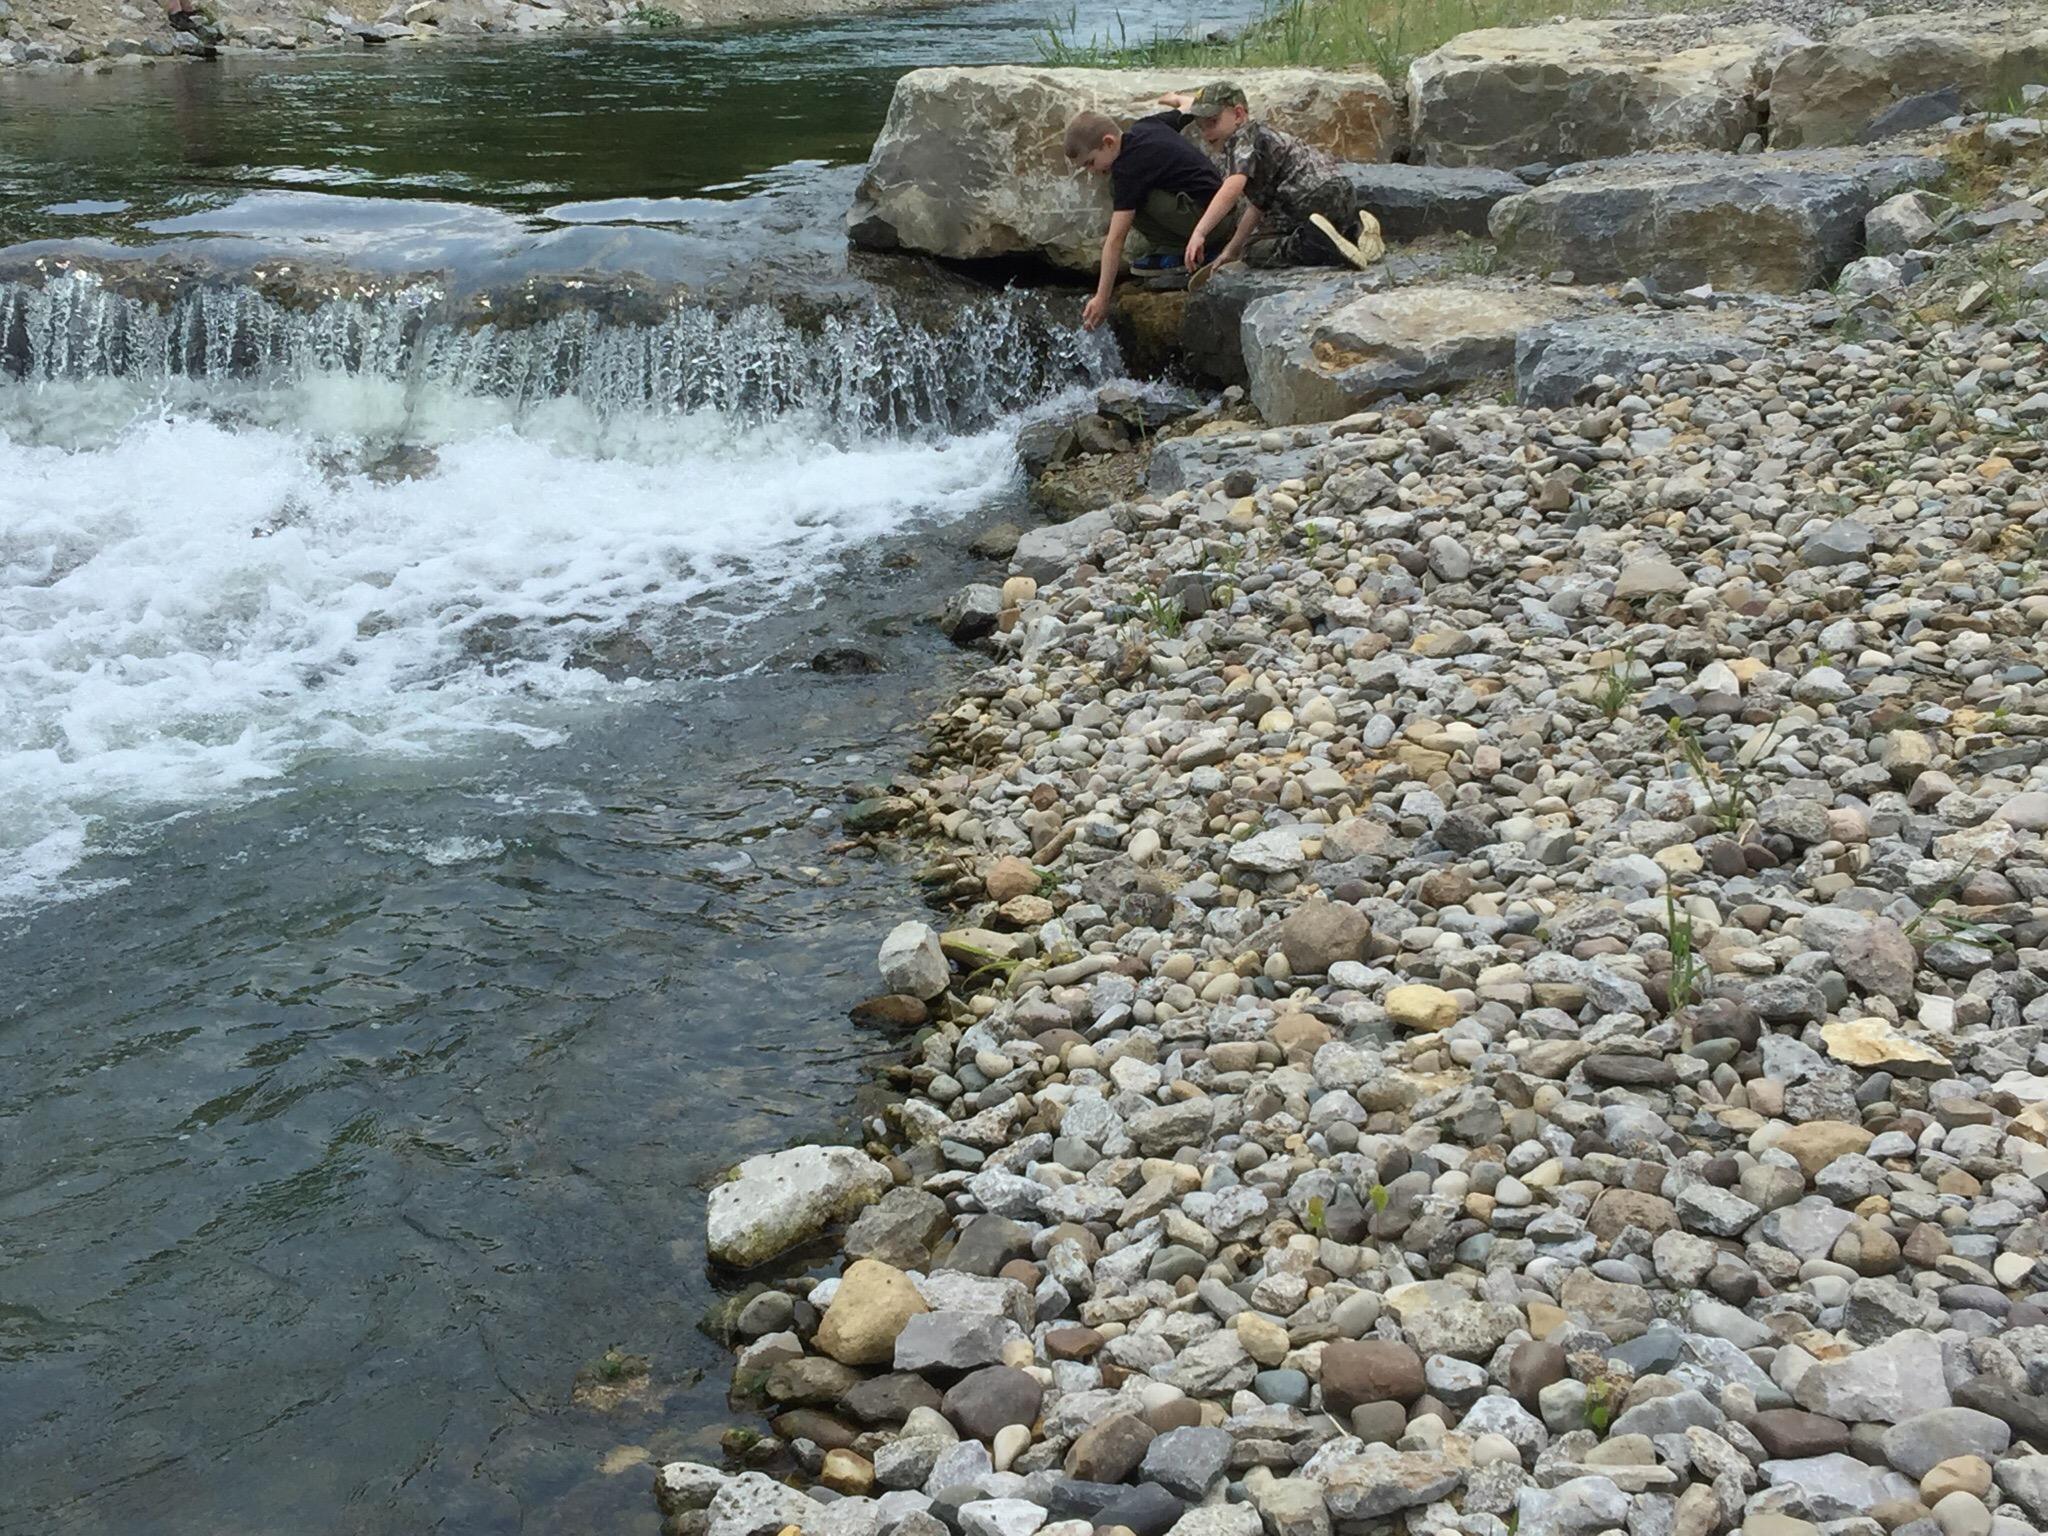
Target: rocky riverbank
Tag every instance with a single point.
(107, 33)
(1497, 976)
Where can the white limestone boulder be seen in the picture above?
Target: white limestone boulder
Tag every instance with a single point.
(971, 164)
(774, 1202)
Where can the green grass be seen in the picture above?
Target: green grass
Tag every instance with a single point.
(1688, 971)
(1388, 35)
(1616, 689)
(1473, 257)
(658, 17)
(1731, 789)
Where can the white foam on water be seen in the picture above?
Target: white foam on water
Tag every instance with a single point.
(192, 606)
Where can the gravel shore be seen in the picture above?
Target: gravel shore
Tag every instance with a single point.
(1500, 983)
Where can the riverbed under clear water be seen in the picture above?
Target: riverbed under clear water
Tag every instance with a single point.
(421, 857)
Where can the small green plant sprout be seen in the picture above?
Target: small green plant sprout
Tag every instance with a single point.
(1379, 1197)
(1617, 686)
(1225, 559)
(613, 1365)
(1314, 1220)
(1048, 880)
(1731, 794)
(1599, 1405)
(1312, 538)
(1951, 925)
(1474, 257)
(986, 962)
(1160, 613)
(1688, 971)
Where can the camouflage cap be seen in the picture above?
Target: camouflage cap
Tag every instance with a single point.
(1217, 96)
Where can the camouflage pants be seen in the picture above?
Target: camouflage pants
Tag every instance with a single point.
(1287, 239)
(1166, 219)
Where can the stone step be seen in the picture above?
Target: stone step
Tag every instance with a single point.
(1556, 364)
(1413, 202)
(1781, 222)
(1314, 354)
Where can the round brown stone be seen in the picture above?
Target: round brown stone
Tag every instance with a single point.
(1790, 1434)
(1073, 1343)
(1110, 1451)
(1356, 1371)
(1619, 1208)
(1534, 1365)
(1181, 1413)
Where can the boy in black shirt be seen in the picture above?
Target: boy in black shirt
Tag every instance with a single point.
(1159, 184)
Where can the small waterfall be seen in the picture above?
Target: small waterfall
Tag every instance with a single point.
(865, 369)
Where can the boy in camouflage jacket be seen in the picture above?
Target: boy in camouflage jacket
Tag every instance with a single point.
(1283, 181)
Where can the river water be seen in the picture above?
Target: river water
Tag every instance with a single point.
(421, 855)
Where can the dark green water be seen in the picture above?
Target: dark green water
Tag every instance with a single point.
(523, 127)
(382, 984)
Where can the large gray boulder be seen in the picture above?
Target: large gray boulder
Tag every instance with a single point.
(1556, 364)
(970, 162)
(1413, 201)
(1049, 552)
(1313, 360)
(1777, 223)
(1211, 327)
(1582, 90)
(1837, 91)
(1185, 463)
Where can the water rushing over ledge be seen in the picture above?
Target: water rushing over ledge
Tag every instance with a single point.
(862, 367)
(420, 864)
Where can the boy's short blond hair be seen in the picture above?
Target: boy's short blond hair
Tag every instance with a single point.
(1086, 133)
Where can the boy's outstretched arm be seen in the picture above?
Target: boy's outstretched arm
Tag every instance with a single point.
(1180, 101)
(1096, 310)
(1218, 210)
(1247, 226)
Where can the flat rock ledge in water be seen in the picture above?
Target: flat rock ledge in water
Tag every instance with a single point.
(1492, 979)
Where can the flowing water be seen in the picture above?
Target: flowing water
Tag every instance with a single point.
(425, 479)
